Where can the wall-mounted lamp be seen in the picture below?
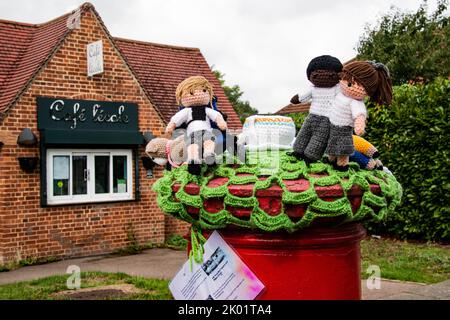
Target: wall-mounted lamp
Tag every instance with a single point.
(148, 135)
(27, 138)
(148, 165)
(28, 164)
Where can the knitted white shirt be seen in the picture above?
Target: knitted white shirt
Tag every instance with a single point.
(345, 110)
(185, 115)
(321, 99)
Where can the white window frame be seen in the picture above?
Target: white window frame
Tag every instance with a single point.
(91, 196)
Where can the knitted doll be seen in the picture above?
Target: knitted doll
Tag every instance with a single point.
(358, 80)
(365, 154)
(195, 94)
(312, 139)
(365, 147)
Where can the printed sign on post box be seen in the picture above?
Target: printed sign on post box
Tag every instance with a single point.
(221, 276)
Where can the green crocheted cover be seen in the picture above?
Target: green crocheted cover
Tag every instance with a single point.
(277, 167)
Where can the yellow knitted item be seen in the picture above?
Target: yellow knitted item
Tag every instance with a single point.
(364, 146)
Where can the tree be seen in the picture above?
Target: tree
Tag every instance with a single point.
(234, 94)
(414, 46)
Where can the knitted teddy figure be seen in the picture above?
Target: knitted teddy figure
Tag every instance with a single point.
(171, 153)
(311, 141)
(195, 94)
(358, 80)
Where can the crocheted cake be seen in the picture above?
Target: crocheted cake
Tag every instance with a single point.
(267, 133)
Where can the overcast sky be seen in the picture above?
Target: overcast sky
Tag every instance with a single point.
(264, 46)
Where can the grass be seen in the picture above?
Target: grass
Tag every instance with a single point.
(46, 288)
(401, 260)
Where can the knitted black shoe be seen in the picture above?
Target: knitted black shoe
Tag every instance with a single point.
(376, 155)
(340, 168)
(308, 161)
(195, 168)
(296, 154)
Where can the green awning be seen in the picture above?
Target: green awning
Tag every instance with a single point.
(87, 137)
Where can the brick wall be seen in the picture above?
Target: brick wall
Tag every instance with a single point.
(175, 226)
(26, 229)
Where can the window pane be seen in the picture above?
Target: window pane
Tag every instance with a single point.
(79, 175)
(119, 174)
(101, 174)
(61, 175)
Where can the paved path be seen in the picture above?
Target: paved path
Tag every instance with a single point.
(164, 264)
(154, 263)
(398, 290)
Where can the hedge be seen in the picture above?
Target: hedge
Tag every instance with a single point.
(413, 138)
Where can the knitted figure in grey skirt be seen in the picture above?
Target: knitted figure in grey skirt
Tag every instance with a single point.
(358, 80)
(312, 139)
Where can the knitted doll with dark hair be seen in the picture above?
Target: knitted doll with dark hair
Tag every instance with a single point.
(358, 80)
(195, 94)
(311, 141)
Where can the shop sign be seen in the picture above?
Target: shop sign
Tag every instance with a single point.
(74, 115)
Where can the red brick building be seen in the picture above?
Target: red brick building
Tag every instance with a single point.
(89, 192)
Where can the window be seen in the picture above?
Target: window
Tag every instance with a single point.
(81, 176)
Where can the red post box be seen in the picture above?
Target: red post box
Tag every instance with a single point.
(321, 263)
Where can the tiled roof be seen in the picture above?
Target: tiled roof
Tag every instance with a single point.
(25, 48)
(161, 67)
(294, 108)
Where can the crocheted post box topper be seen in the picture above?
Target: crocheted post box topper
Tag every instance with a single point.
(195, 94)
(348, 112)
(311, 141)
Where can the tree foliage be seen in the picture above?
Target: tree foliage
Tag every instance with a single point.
(234, 94)
(414, 46)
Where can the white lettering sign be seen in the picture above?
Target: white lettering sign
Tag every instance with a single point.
(95, 58)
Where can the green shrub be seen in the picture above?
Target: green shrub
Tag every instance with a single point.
(413, 138)
(298, 118)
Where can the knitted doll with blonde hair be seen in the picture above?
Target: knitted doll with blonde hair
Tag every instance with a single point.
(348, 112)
(195, 94)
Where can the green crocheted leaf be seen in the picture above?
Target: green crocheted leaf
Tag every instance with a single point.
(370, 199)
(243, 179)
(327, 181)
(266, 222)
(217, 192)
(319, 167)
(246, 202)
(188, 199)
(299, 197)
(340, 206)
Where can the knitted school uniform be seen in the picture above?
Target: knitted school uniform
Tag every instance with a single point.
(312, 139)
(198, 124)
(342, 116)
